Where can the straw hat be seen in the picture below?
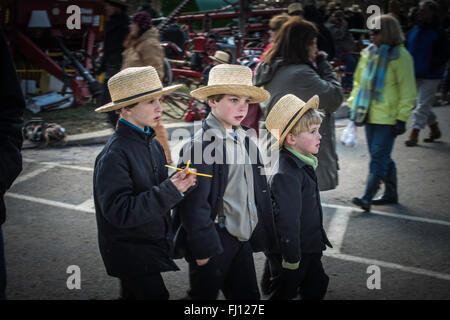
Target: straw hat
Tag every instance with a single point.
(285, 114)
(231, 79)
(295, 7)
(133, 85)
(221, 57)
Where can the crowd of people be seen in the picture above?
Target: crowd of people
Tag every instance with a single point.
(219, 208)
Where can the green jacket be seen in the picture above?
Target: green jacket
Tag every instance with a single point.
(399, 92)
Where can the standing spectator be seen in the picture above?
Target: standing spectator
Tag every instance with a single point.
(11, 122)
(428, 45)
(116, 31)
(356, 19)
(344, 43)
(384, 85)
(293, 66)
(325, 40)
(142, 49)
(275, 25)
(295, 9)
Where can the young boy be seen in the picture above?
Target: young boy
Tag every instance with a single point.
(132, 192)
(227, 217)
(296, 201)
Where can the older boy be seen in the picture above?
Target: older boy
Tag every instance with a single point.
(227, 217)
(296, 201)
(132, 192)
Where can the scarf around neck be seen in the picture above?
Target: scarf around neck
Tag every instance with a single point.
(308, 159)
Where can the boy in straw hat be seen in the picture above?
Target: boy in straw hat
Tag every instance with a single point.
(132, 192)
(296, 266)
(228, 217)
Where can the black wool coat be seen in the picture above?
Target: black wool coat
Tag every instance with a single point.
(297, 208)
(198, 237)
(133, 198)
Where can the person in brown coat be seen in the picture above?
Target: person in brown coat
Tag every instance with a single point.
(143, 49)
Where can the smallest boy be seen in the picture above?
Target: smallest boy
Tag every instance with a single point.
(133, 194)
(297, 267)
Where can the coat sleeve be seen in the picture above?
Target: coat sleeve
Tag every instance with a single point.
(195, 210)
(287, 205)
(324, 84)
(119, 204)
(407, 86)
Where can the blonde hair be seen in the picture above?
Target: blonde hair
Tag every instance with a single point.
(391, 32)
(310, 118)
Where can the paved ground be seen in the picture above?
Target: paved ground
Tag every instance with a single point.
(51, 226)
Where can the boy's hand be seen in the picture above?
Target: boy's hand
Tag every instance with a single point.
(184, 181)
(202, 262)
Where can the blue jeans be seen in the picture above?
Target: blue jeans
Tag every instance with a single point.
(2, 268)
(380, 141)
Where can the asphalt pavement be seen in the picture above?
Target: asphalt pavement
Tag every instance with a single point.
(394, 252)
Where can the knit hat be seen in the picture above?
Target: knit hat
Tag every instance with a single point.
(231, 79)
(133, 85)
(143, 20)
(285, 114)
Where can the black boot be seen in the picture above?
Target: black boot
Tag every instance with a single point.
(373, 182)
(390, 195)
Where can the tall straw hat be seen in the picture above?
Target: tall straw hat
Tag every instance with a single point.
(221, 57)
(133, 85)
(285, 114)
(231, 79)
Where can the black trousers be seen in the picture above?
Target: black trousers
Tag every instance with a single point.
(309, 280)
(149, 287)
(232, 272)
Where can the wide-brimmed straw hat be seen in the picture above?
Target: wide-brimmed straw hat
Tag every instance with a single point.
(231, 79)
(133, 85)
(285, 114)
(221, 57)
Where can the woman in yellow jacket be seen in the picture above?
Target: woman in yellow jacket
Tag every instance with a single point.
(142, 48)
(383, 95)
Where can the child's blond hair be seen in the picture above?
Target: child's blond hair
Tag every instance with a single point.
(310, 118)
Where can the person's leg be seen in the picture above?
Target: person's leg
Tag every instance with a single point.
(2, 267)
(149, 287)
(382, 140)
(206, 281)
(240, 282)
(426, 91)
(315, 284)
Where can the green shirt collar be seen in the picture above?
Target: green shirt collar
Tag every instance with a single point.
(308, 159)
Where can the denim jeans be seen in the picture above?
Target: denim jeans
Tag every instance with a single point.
(2, 268)
(380, 141)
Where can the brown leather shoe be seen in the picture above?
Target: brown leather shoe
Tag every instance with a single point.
(413, 138)
(435, 133)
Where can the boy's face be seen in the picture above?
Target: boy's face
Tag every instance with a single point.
(145, 113)
(230, 110)
(305, 142)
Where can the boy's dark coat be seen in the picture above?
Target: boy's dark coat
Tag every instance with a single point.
(197, 238)
(133, 198)
(295, 192)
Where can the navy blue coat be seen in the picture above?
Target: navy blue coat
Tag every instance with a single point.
(133, 198)
(297, 208)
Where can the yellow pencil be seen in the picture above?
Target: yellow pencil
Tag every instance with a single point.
(189, 171)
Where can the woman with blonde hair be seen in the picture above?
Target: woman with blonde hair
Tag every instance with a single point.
(384, 91)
